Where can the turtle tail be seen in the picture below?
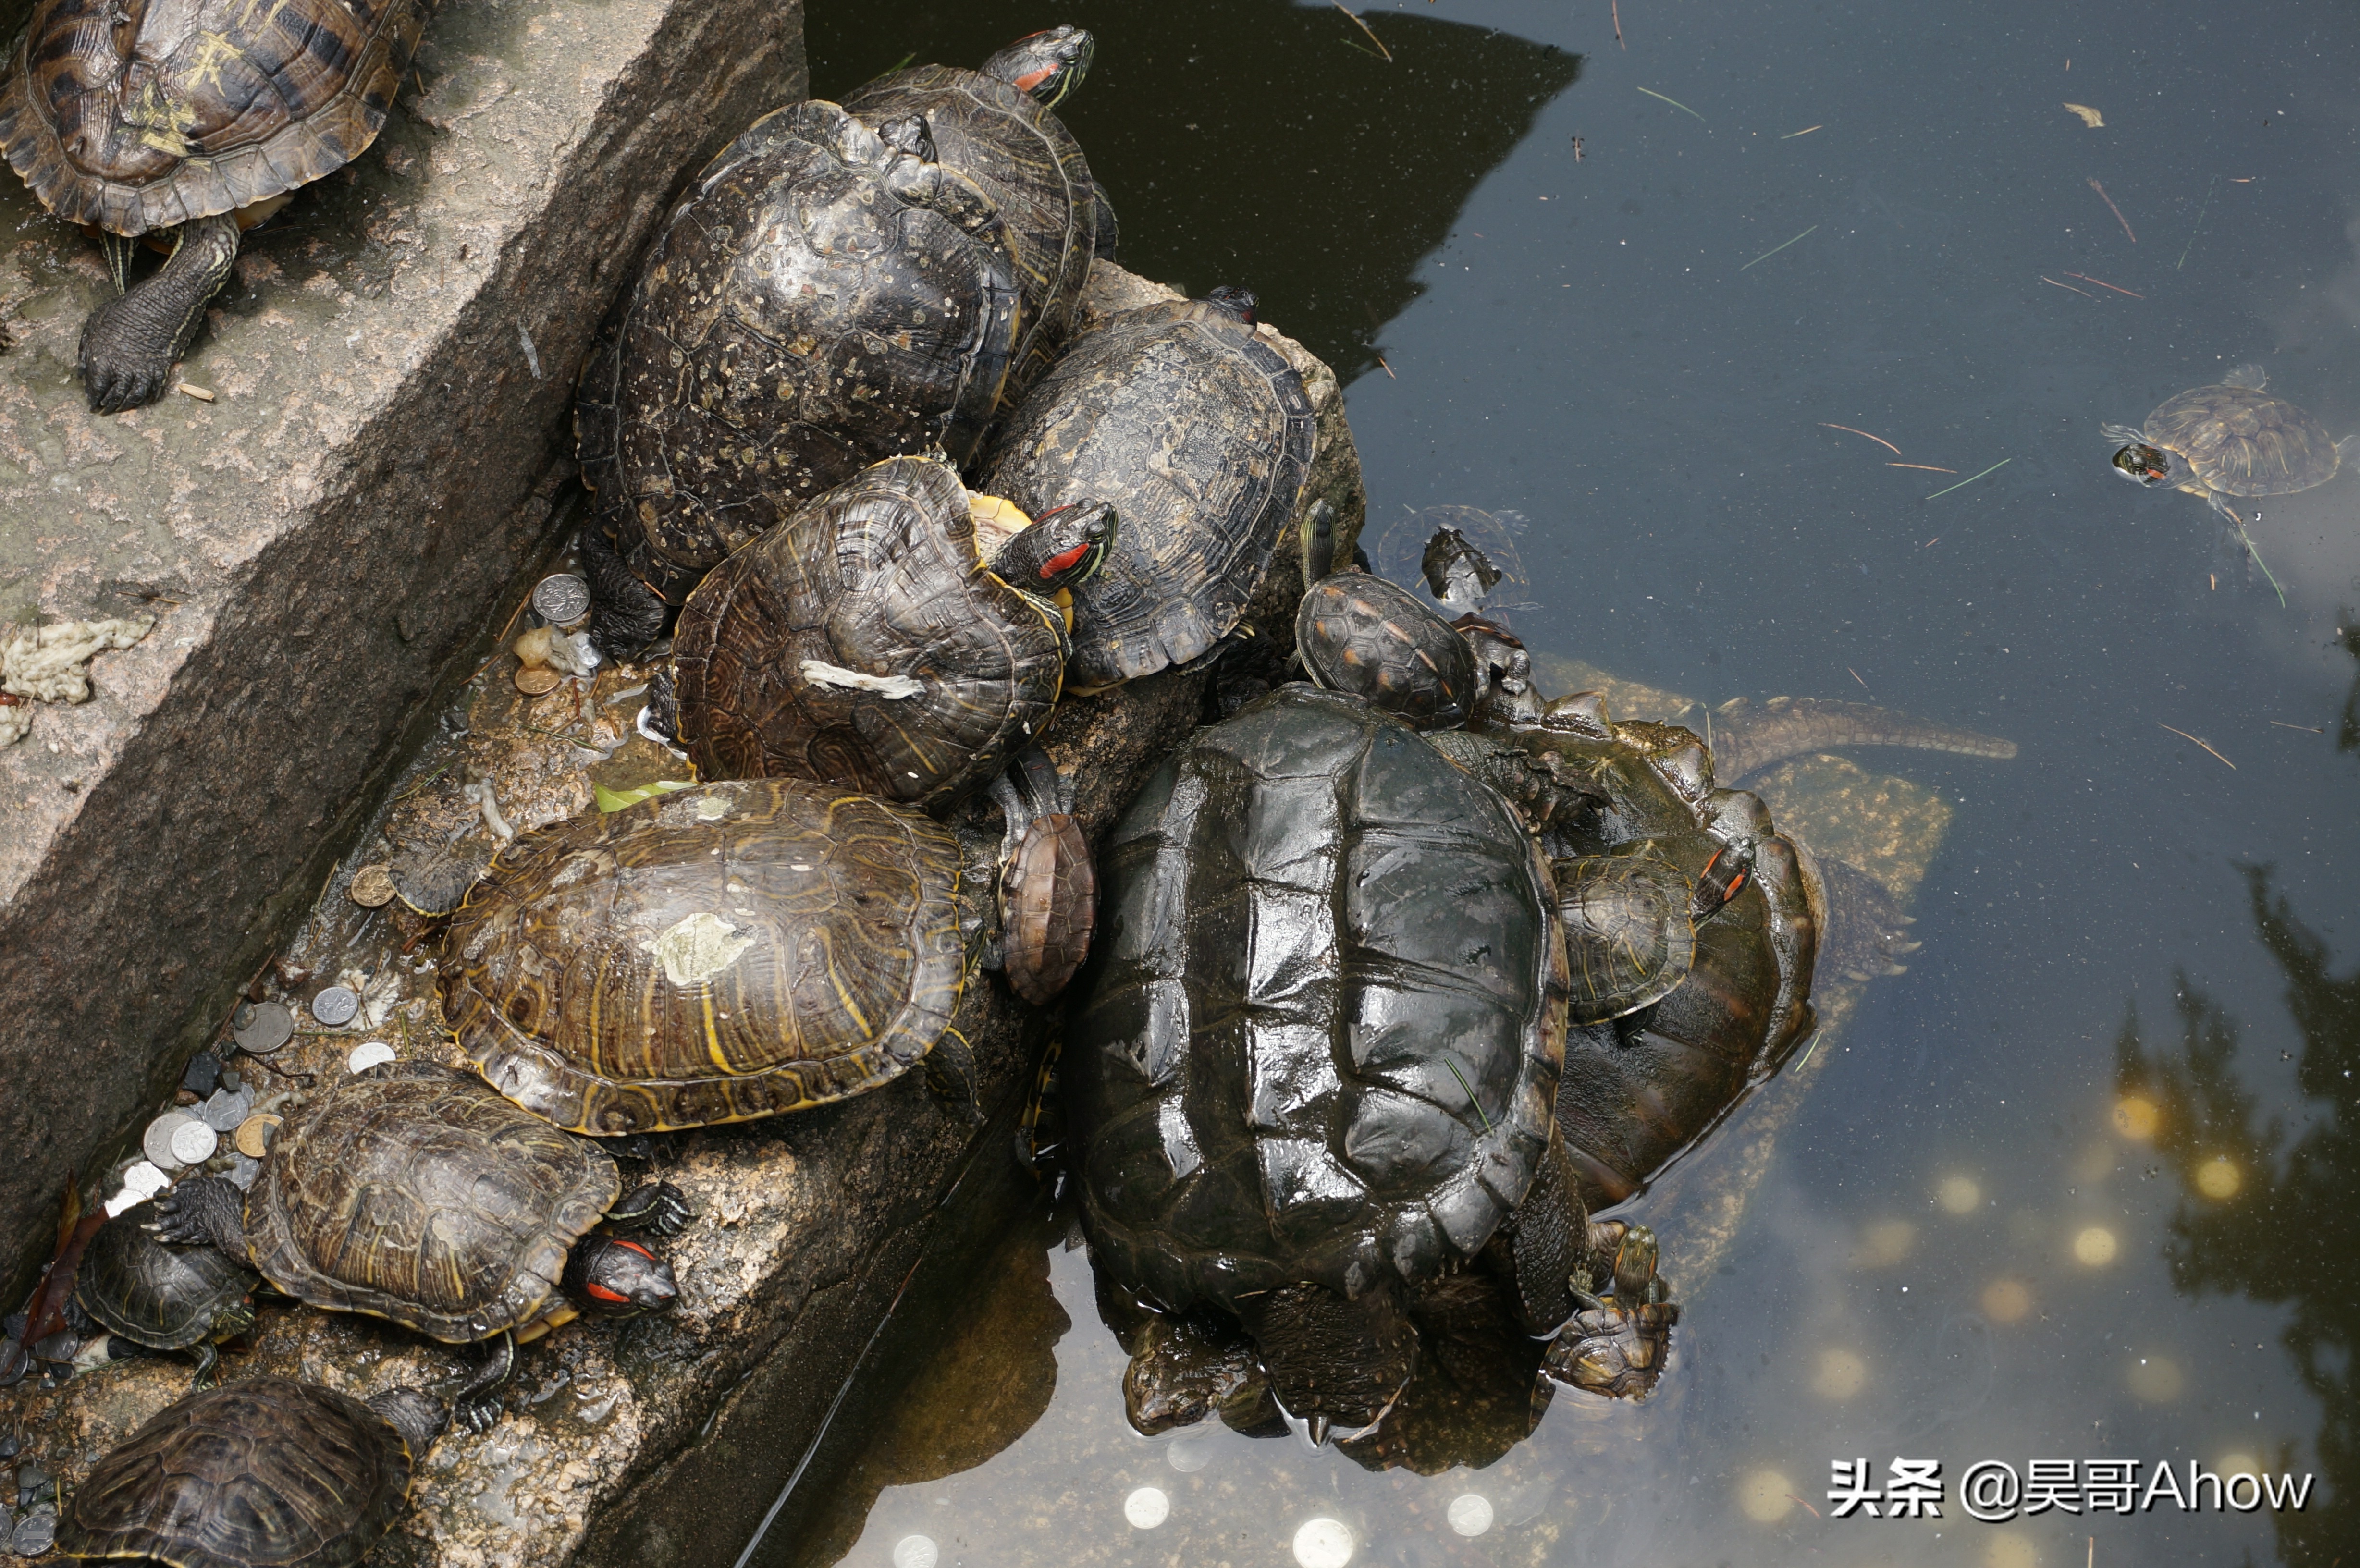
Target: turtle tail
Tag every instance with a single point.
(1747, 739)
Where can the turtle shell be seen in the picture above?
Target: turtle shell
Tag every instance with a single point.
(412, 1192)
(1324, 1038)
(196, 109)
(1030, 165)
(1048, 907)
(713, 956)
(2243, 442)
(163, 1297)
(820, 301)
(1200, 434)
(1374, 639)
(1627, 932)
(862, 643)
(264, 1472)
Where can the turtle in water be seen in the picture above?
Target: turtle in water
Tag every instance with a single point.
(1317, 1065)
(1199, 433)
(1465, 557)
(826, 296)
(2230, 438)
(164, 1298)
(183, 125)
(268, 1471)
(996, 126)
(414, 1192)
(871, 641)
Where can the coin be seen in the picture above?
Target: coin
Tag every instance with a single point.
(226, 1109)
(537, 680)
(253, 1135)
(144, 1179)
(36, 1533)
(367, 1055)
(268, 1026)
(193, 1143)
(561, 598)
(155, 1143)
(335, 1007)
(373, 886)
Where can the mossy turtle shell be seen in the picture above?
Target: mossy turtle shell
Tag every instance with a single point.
(1199, 433)
(1324, 1040)
(821, 300)
(163, 1297)
(265, 1471)
(2243, 442)
(144, 117)
(412, 1192)
(1360, 633)
(713, 956)
(798, 656)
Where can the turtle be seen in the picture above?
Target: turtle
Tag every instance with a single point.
(1316, 1065)
(1048, 882)
(1464, 557)
(866, 642)
(1631, 925)
(1199, 433)
(827, 295)
(997, 125)
(263, 1472)
(1358, 633)
(164, 1298)
(412, 1191)
(2229, 439)
(185, 124)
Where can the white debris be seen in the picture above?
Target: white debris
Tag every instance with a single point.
(892, 688)
(45, 663)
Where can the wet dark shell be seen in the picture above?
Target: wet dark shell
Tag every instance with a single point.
(2243, 442)
(412, 1192)
(1365, 635)
(165, 1298)
(1324, 1041)
(1200, 435)
(817, 304)
(878, 577)
(1033, 170)
(265, 1471)
(197, 109)
(1627, 932)
(713, 955)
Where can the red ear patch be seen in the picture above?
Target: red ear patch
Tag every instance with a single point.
(600, 1292)
(1740, 882)
(1064, 561)
(1031, 78)
(633, 1247)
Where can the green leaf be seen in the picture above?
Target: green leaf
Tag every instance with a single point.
(618, 800)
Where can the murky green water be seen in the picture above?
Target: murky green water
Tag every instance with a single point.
(2075, 1188)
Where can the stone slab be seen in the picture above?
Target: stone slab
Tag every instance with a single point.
(323, 542)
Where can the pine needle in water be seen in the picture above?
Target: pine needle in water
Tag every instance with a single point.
(1773, 250)
(1970, 478)
(1673, 102)
(1471, 1093)
(2185, 736)
(1381, 51)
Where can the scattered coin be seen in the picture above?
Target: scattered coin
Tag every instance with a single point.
(268, 1026)
(335, 1007)
(916, 1551)
(1323, 1544)
(537, 680)
(193, 1142)
(1470, 1513)
(373, 886)
(367, 1055)
(36, 1533)
(1146, 1507)
(253, 1135)
(1189, 1454)
(144, 1179)
(561, 598)
(155, 1143)
(226, 1109)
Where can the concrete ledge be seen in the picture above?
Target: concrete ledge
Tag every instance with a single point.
(322, 543)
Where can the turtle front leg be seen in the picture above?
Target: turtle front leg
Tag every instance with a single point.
(950, 1073)
(1332, 1362)
(208, 1367)
(658, 1206)
(626, 615)
(207, 1212)
(1546, 1243)
(476, 1403)
(130, 344)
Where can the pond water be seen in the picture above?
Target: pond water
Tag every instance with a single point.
(2073, 1188)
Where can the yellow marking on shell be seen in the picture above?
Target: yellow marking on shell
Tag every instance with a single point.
(695, 949)
(713, 1051)
(214, 52)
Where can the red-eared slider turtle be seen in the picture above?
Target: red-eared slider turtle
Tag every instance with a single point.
(165, 1298)
(191, 121)
(1465, 557)
(1048, 882)
(995, 126)
(412, 1192)
(2232, 439)
(866, 642)
(826, 296)
(1360, 633)
(1200, 434)
(1631, 925)
(266, 1473)
(1318, 1061)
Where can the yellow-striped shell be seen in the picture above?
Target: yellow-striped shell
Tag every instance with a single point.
(2243, 442)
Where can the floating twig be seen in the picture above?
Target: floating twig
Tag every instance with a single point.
(2067, 286)
(2199, 221)
(1931, 542)
(1387, 53)
(1673, 102)
(1926, 466)
(2103, 284)
(1878, 439)
(1855, 675)
(1806, 131)
(2185, 736)
(1386, 368)
(1970, 478)
(2309, 729)
(1617, 5)
(1773, 250)
(2117, 212)
(1815, 1513)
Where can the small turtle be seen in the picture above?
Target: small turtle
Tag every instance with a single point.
(188, 122)
(1631, 925)
(995, 126)
(1048, 885)
(1200, 434)
(865, 642)
(2232, 439)
(1466, 558)
(826, 296)
(266, 1473)
(412, 1192)
(1360, 633)
(165, 1298)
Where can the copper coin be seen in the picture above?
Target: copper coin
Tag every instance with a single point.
(255, 1133)
(373, 886)
(536, 680)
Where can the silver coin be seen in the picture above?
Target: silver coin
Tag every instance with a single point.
(144, 1179)
(36, 1533)
(193, 1143)
(266, 1027)
(335, 1007)
(367, 1055)
(155, 1143)
(226, 1109)
(561, 598)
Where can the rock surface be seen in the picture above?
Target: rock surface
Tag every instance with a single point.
(321, 542)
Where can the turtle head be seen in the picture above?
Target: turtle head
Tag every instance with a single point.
(417, 1415)
(1063, 548)
(909, 136)
(2146, 464)
(1238, 302)
(616, 1277)
(1047, 65)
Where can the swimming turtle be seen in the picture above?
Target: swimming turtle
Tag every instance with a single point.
(1317, 1065)
(188, 123)
(869, 641)
(265, 1472)
(1464, 557)
(826, 296)
(1199, 433)
(2229, 439)
(412, 1192)
(165, 1298)
(1358, 633)
(996, 126)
